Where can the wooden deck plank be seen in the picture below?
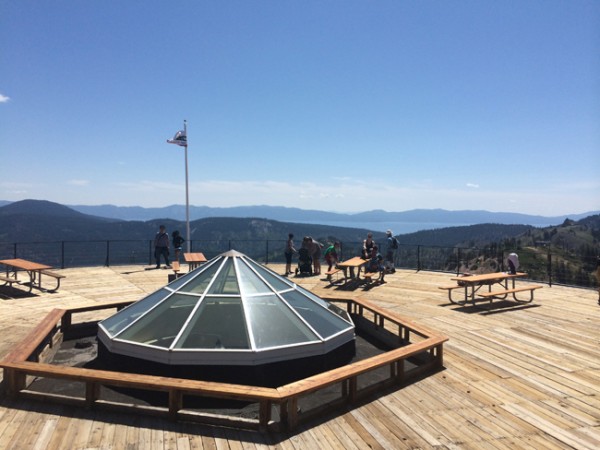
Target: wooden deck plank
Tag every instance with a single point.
(565, 436)
(14, 431)
(518, 378)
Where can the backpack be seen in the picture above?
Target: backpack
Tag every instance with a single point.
(394, 243)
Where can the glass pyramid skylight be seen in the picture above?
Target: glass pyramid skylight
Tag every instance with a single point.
(230, 311)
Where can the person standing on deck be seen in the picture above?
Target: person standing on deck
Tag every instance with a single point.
(161, 247)
(289, 252)
(390, 252)
(178, 241)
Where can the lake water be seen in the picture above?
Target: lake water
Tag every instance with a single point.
(396, 227)
(402, 227)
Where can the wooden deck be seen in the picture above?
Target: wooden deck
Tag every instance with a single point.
(517, 376)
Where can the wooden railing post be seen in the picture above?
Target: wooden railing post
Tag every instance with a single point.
(16, 381)
(92, 393)
(175, 403)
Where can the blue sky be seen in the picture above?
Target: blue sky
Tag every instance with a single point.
(334, 105)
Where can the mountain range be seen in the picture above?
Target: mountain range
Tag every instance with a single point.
(439, 217)
(44, 221)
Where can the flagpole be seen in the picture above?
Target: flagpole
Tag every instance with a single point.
(187, 193)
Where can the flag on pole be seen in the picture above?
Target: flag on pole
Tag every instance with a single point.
(180, 139)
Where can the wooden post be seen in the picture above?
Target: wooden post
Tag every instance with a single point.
(16, 381)
(353, 388)
(264, 415)
(439, 356)
(283, 413)
(65, 321)
(92, 393)
(400, 371)
(292, 416)
(175, 403)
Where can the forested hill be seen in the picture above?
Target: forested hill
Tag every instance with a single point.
(42, 221)
(466, 236)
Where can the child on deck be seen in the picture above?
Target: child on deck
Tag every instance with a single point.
(331, 255)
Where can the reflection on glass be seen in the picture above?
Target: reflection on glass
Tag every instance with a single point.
(218, 323)
(250, 282)
(330, 306)
(200, 282)
(325, 323)
(120, 320)
(273, 324)
(225, 281)
(160, 326)
(279, 284)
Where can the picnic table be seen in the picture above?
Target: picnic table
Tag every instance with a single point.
(34, 271)
(471, 285)
(353, 263)
(194, 259)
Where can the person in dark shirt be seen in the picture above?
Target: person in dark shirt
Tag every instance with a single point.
(178, 241)
(161, 247)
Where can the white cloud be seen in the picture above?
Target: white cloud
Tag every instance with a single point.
(4, 98)
(472, 185)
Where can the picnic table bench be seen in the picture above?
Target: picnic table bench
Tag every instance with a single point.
(371, 277)
(330, 273)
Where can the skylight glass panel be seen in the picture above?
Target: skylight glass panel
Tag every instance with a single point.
(115, 324)
(325, 304)
(251, 283)
(218, 323)
(199, 283)
(225, 282)
(279, 284)
(161, 325)
(274, 324)
(321, 319)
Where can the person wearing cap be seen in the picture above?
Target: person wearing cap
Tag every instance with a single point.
(391, 245)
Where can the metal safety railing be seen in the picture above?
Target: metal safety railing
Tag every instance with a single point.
(541, 264)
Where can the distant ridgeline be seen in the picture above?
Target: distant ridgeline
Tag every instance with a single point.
(574, 244)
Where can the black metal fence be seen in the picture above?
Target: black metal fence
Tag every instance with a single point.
(542, 264)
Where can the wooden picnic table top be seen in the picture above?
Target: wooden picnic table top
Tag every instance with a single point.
(486, 277)
(357, 261)
(194, 257)
(24, 264)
